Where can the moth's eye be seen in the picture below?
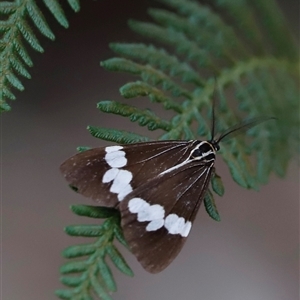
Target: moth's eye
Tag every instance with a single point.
(217, 147)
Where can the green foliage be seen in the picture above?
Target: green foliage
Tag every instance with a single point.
(92, 274)
(14, 27)
(244, 46)
(144, 117)
(119, 136)
(195, 45)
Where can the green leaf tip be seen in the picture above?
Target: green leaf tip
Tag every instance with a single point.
(77, 251)
(217, 184)
(83, 148)
(4, 107)
(64, 294)
(210, 206)
(84, 230)
(94, 211)
(119, 261)
(73, 267)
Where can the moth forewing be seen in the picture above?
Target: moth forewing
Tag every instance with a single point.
(84, 171)
(157, 216)
(108, 174)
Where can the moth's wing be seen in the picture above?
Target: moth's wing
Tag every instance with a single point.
(107, 174)
(162, 201)
(84, 172)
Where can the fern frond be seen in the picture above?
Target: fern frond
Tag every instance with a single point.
(240, 58)
(14, 59)
(92, 274)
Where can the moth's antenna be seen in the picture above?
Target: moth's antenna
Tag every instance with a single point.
(213, 119)
(243, 126)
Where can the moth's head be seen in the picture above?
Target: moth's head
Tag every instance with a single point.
(215, 145)
(204, 151)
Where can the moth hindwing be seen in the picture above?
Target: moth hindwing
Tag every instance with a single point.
(157, 186)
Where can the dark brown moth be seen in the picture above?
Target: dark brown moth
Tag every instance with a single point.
(157, 186)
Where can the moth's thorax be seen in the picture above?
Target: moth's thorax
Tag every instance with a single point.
(203, 151)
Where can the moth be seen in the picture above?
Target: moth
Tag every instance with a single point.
(157, 186)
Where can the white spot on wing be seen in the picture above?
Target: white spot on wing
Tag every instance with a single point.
(187, 228)
(120, 182)
(147, 212)
(113, 148)
(137, 204)
(110, 175)
(155, 224)
(171, 223)
(125, 191)
(153, 212)
(177, 225)
(116, 159)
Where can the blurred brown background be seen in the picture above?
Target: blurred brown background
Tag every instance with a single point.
(253, 254)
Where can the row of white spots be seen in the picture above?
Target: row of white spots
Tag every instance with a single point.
(121, 179)
(155, 214)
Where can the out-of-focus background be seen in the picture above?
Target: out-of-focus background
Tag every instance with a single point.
(252, 254)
